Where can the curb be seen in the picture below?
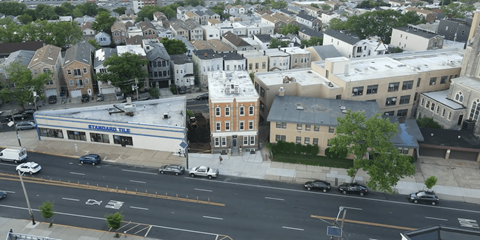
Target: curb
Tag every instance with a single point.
(47, 153)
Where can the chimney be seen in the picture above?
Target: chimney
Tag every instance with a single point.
(281, 92)
(264, 52)
(205, 55)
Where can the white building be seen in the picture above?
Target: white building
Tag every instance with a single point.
(234, 62)
(134, 31)
(183, 74)
(100, 56)
(277, 59)
(206, 61)
(413, 39)
(211, 32)
(327, 17)
(350, 46)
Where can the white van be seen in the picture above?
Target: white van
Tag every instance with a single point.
(14, 154)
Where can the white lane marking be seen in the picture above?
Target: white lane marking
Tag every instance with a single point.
(141, 208)
(271, 198)
(137, 181)
(213, 218)
(468, 223)
(103, 220)
(114, 204)
(77, 173)
(441, 219)
(298, 229)
(9, 191)
(125, 170)
(148, 231)
(327, 194)
(71, 199)
(205, 190)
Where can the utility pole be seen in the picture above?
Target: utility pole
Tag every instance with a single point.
(136, 86)
(35, 100)
(26, 197)
(16, 130)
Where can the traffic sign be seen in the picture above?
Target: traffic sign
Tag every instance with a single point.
(183, 144)
(333, 231)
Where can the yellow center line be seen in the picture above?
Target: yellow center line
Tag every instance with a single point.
(366, 223)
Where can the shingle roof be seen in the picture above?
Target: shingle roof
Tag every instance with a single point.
(86, 25)
(232, 56)
(350, 38)
(234, 39)
(178, 24)
(48, 54)
(306, 17)
(219, 46)
(190, 14)
(326, 51)
(7, 48)
(80, 52)
(310, 32)
(180, 59)
(265, 38)
(103, 54)
(158, 51)
(135, 40)
(118, 25)
(190, 24)
(206, 54)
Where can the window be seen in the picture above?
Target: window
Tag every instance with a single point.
(218, 126)
(433, 107)
(70, 82)
(74, 135)
(316, 128)
(357, 91)
(393, 87)
(299, 126)
(280, 138)
(224, 141)
(87, 81)
(427, 105)
(449, 115)
(98, 137)
(227, 126)
(418, 82)
(252, 140)
(68, 71)
(242, 125)
(459, 97)
(217, 111)
(443, 113)
(307, 127)
(389, 113)
(372, 89)
(331, 129)
(245, 140)
(250, 110)
(438, 110)
(281, 125)
(407, 85)
(433, 80)
(250, 125)
(49, 132)
(264, 65)
(402, 113)
(217, 142)
(84, 70)
(227, 111)
(405, 99)
(262, 92)
(474, 111)
(242, 111)
(256, 65)
(298, 140)
(76, 72)
(307, 140)
(443, 79)
(392, 101)
(315, 141)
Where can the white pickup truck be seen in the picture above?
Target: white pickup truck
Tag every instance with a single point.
(203, 171)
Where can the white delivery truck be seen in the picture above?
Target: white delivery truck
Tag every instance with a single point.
(13, 154)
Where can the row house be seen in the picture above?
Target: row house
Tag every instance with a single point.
(202, 17)
(349, 45)
(100, 56)
(234, 111)
(309, 21)
(224, 27)
(103, 39)
(22, 57)
(158, 63)
(322, 52)
(135, 40)
(236, 42)
(159, 16)
(139, 4)
(195, 31)
(256, 61)
(182, 10)
(327, 17)
(286, 19)
(162, 31)
(49, 59)
(78, 69)
(306, 33)
(413, 39)
(216, 45)
(263, 40)
(127, 19)
(312, 11)
(205, 61)
(277, 59)
(182, 71)
(299, 58)
(429, 16)
(148, 29)
(179, 29)
(119, 32)
(134, 31)
(87, 29)
(233, 62)
(211, 32)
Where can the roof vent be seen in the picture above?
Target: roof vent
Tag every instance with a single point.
(299, 107)
(343, 108)
(166, 116)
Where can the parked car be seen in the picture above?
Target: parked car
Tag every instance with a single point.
(85, 98)
(93, 159)
(100, 97)
(424, 197)
(353, 188)
(25, 125)
(3, 194)
(52, 99)
(29, 167)
(119, 95)
(174, 169)
(317, 185)
(16, 116)
(202, 96)
(181, 90)
(29, 111)
(204, 171)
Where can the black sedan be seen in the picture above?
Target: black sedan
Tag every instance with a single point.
(3, 194)
(353, 188)
(29, 111)
(317, 185)
(174, 169)
(16, 116)
(52, 99)
(203, 96)
(424, 197)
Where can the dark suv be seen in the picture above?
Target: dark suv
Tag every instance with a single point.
(94, 159)
(16, 116)
(85, 98)
(353, 188)
(52, 99)
(424, 197)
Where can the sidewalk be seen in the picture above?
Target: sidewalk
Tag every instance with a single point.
(41, 230)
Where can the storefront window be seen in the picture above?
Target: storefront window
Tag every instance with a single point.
(98, 137)
(48, 132)
(122, 140)
(74, 135)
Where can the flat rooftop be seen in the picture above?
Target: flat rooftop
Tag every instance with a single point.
(229, 85)
(251, 54)
(442, 97)
(304, 76)
(148, 112)
(432, 59)
(274, 52)
(295, 50)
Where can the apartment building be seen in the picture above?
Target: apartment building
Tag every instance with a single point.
(205, 61)
(78, 69)
(299, 58)
(349, 45)
(256, 61)
(158, 63)
(233, 104)
(182, 69)
(139, 4)
(48, 58)
(236, 42)
(414, 39)
(278, 59)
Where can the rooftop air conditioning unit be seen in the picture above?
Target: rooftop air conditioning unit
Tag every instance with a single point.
(166, 116)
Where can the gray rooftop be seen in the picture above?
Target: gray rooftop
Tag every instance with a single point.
(206, 54)
(80, 52)
(231, 56)
(442, 97)
(315, 111)
(157, 51)
(417, 32)
(306, 17)
(310, 32)
(327, 51)
(263, 37)
(22, 56)
(347, 37)
(180, 59)
(102, 54)
(441, 233)
(408, 133)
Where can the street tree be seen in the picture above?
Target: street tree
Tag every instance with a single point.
(103, 22)
(123, 70)
(369, 141)
(194, 3)
(278, 5)
(62, 34)
(147, 12)
(45, 12)
(289, 28)
(120, 10)
(457, 10)
(20, 83)
(430, 182)
(25, 18)
(63, 11)
(275, 43)
(12, 8)
(46, 209)
(174, 46)
(326, 7)
(94, 43)
(114, 220)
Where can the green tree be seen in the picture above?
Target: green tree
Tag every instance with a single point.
(337, 24)
(289, 28)
(99, 10)
(20, 83)
(115, 220)
(430, 182)
(63, 11)
(174, 46)
(103, 22)
(315, 41)
(278, 5)
(396, 50)
(252, 76)
(63, 34)
(123, 70)
(89, 9)
(275, 43)
(457, 10)
(194, 3)
(46, 209)
(314, 5)
(120, 10)
(12, 8)
(77, 12)
(94, 43)
(25, 18)
(428, 122)
(371, 137)
(45, 12)
(68, 5)
(147, 12)
(169, 12)
(218, 9)
(326, 7)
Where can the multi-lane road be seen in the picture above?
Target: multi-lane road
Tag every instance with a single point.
(239, 208)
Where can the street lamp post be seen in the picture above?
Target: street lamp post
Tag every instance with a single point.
(16, 129)
(26, 197)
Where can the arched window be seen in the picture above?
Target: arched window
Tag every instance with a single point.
(475, 110)
(459, 97)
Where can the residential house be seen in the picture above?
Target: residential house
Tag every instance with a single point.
(266, 28)
(182, 71)
(231, 10)
(216, 45)
(138, 50)
(23, 57)
(234, 112)
(294, 9)
(236, 42)
(190, 48)
(159, 16)
(233, 62)
(312, 11)
(256, 61)
(119, 32)
(134, 31)
(49, 58)
(148, 29)
(263, 40)
(276, 23)
(322, 52)
(277, 59)
(139, 4)
(195, 31)
(78, 69)
(100, 56)
(239, 29)
(349, 45)
(65, 18)
(179, 29)
(135, 40)
(204, 62)
(455, 30)
(87, 29)
(255, 45)
(327, 17)
(306, 33)
(309, 21)
(428, 15)
(210, 32)
(413, 39)
(286, 19)
(158, 63)
(103, 39)
(395, 3)
(299, 58)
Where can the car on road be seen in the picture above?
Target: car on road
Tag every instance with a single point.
(119, 95)
(354, 188)
(29, 167)
(172, 168)
(85, 98)
(203, 171)
(16, 116)
(3, 194)
(52, 99)
(317, 185)
(100, 97)
(93, 159)
(29, 111)
(202, 96)
(424, 197)
(25, 125)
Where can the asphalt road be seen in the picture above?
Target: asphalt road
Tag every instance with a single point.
(254, 209)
